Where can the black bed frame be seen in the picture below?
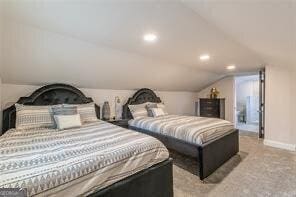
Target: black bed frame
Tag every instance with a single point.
(155, 181)
(210, 156)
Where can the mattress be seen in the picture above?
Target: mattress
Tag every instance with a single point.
(74, 162)
(192, 129)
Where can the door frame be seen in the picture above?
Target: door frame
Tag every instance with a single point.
(261, 83)
(261, 103)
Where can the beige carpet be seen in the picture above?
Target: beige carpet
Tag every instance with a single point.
(257, 170)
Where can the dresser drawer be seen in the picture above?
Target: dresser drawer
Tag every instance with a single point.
(208, 108)
(209, 102)
(210, 115)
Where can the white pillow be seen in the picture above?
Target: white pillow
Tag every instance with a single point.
(67, 121)
(139, 110)
(162, 106)
(86, 111)
(157, 112)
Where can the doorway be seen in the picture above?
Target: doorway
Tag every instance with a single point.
(247, 93)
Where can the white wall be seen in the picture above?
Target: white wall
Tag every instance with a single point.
(1, 36)
(226, 88)
(0, 101)
(293, 110)
(280, 118)
(176, 102)
(1, 61)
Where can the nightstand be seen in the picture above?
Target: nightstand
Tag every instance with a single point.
(121, 123)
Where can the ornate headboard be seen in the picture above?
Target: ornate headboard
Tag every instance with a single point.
(47, 95)
(141, 96)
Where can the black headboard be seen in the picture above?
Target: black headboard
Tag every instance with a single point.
(48, 95)
(141, 96)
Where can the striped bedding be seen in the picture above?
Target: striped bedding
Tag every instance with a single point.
(74, 162)
(196, 130)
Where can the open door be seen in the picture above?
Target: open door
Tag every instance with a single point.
(261, 103)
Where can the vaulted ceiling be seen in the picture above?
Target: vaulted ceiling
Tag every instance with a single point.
(267, 27)
(98, 44)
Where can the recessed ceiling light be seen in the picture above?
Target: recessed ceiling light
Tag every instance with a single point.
(150, 37)
(231, 67)
(204, 57)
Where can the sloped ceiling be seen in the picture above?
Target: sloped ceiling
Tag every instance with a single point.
(98, 44)
(265, 27)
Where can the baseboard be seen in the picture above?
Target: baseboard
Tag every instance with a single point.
(291, 147)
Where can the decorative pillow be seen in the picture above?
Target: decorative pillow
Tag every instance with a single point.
(67, 121)
(139, 110)
(162, 106)
(64, 110)
(149, 106)
(157, 112)
(28, 117)
(87, 112)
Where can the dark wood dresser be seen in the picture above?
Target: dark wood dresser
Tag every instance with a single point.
(212, 108)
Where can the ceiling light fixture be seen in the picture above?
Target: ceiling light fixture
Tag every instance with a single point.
(150, 37)
(231, 67)
(204, 57)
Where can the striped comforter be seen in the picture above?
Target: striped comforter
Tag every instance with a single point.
(197, 130)
(76, 161)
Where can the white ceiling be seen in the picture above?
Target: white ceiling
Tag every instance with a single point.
(98, 44)
(267, 27)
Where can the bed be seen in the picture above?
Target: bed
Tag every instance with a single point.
(211, 150)
(98, 159)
